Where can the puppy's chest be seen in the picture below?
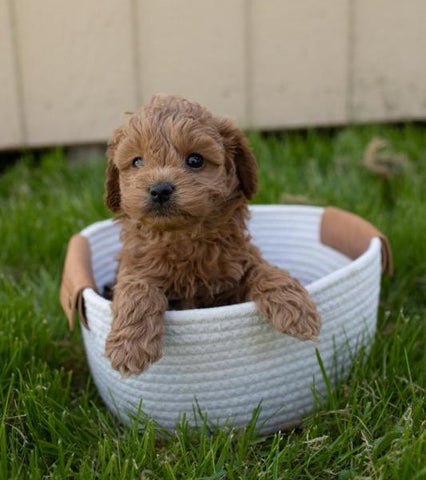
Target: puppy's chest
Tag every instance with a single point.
(197, 274)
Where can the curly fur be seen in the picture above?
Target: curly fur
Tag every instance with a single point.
(195, 250)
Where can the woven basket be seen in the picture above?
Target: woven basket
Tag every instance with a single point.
(227, 361)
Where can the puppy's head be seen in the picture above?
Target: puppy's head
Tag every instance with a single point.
(173, 164)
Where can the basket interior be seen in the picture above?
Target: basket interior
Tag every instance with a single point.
(288, 237)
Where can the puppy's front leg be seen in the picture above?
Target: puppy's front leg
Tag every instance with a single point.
(134, 341)
(284, 301)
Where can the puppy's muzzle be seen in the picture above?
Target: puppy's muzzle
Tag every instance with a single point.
(161, 192)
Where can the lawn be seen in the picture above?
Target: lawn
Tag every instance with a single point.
(53, 423)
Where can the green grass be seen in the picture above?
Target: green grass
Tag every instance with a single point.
(53, 423)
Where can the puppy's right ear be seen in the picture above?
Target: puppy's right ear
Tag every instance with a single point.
(112, 184)
(240, 154)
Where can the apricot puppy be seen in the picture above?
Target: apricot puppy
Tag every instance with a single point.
(181, 179)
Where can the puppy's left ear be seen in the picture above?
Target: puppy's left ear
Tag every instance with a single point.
(112, 184)
(240, 154)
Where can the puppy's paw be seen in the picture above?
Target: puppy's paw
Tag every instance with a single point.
(295, 315)
(300, 321)
(131, 355)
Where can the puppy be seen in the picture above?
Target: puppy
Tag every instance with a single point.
(181, 179)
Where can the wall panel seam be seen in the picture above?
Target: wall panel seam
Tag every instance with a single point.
(350, 61)
(248, 65)
(17, 66)
(137, 61)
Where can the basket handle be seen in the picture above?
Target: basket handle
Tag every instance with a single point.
(77, 275)
(351, 235)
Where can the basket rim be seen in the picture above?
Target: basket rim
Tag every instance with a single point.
(249, 308)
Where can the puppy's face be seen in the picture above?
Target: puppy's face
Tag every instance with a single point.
(173, 164)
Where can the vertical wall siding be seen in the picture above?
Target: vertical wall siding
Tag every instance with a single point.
(298, 61)
(196, 49)
(76, 65)
(11, 133)
(389, 60)
(69, 70)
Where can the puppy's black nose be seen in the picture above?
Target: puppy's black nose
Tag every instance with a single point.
(160, 192)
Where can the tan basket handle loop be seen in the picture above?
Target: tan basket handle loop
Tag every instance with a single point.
(77, 275)
(351, 235)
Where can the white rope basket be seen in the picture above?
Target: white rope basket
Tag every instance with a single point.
(227, 361)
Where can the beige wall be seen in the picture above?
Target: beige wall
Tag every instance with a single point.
(70, 69)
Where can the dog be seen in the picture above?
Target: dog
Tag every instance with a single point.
(180, 180)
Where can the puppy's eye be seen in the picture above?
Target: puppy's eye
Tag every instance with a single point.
(194, 160)
(137, 162)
